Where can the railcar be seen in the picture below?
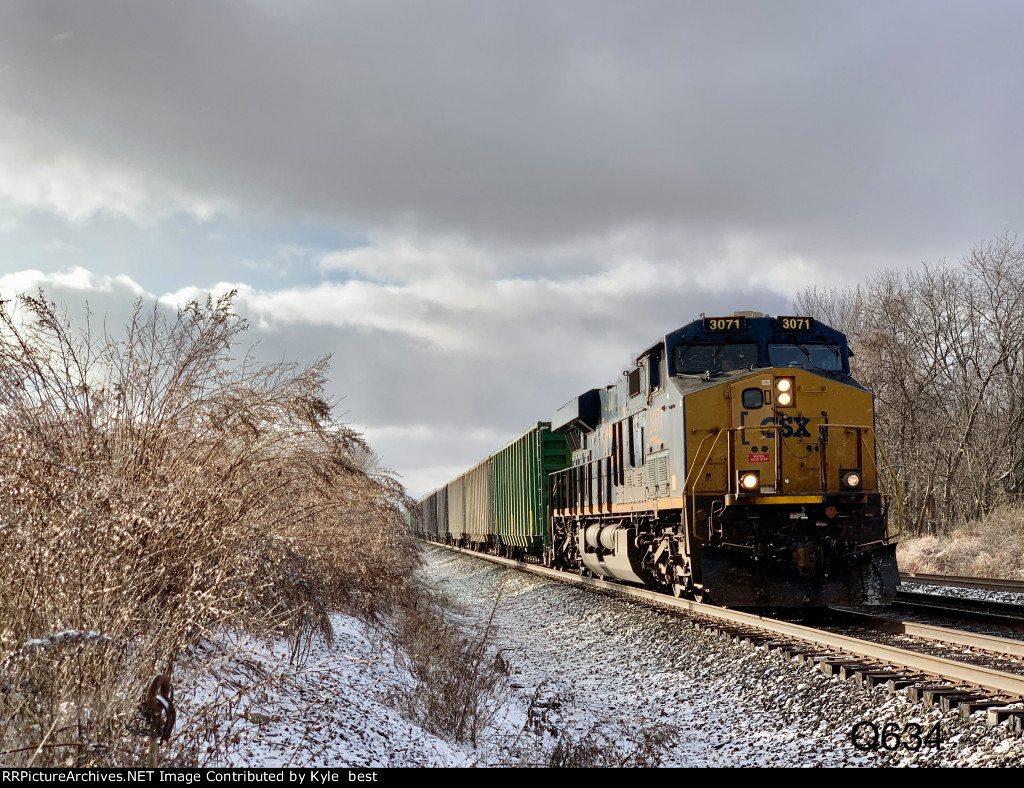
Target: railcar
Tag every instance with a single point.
(736, 463)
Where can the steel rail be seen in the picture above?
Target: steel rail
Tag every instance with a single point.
(939, 667)
(983, 583)
(945, 635)
(1006, 613)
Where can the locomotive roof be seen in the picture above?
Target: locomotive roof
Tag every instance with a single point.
(756, 327)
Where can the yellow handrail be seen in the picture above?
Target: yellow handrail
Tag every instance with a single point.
(718, 433)
(895, 484)
(861, 428)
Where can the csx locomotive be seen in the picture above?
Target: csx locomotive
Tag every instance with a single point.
(736, 463)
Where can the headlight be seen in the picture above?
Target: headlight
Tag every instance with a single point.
(851, 479)
(784, 392)
(750, 480)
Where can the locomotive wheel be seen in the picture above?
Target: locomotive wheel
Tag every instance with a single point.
(702, 595)
(681, 582)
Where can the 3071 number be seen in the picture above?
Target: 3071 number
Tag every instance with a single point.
(723, 324)
(868, 737)
(794, 323)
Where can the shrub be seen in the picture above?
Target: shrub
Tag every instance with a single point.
(455, 677)
(990, 547)
(605, 747)
(157, 491)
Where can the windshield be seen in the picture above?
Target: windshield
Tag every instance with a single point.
(826, 357)
(698, 359)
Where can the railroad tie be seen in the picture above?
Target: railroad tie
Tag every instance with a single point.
(916, 692)
(969, 707)
(903, 680)
(1014, 715)
(951, 702)
(872, 679)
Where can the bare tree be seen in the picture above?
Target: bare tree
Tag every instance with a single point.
(942, 347)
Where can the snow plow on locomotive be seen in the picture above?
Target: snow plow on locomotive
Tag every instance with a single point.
(736, 463)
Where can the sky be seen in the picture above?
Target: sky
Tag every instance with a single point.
(482, 209)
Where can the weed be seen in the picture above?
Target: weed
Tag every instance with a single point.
(156, 493)
(455, 678)
(990, 547)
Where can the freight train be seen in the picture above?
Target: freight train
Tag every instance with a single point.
(735, 463)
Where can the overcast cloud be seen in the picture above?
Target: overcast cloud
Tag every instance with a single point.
(484, 208)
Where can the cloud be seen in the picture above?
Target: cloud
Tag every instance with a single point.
(41, 171)
(441, 367)
(387, 258)
(853, 130)
(461, 298)
(72, 279)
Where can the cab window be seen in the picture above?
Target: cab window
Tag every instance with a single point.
(698, 359)
(826, 357)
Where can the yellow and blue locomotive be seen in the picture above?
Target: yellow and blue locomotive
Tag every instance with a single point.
(735, 463)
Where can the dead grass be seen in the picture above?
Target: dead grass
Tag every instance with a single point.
(456, 676)
(992, 547)
(611, 747)
(157, 491)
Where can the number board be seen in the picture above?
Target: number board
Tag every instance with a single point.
(790, 323)
(719, 324)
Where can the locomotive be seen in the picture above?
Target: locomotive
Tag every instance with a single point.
(735, 463)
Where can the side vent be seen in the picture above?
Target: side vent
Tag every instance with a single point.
(657, 475)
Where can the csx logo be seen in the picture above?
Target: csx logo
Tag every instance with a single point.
(790, 426)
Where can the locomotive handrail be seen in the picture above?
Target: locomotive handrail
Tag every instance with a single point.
(689, 483)
(888, 466)
(577, 491)
(686, 482)
(717, 434)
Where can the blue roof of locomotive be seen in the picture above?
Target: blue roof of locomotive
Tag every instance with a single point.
(757, 329)
(761, 330)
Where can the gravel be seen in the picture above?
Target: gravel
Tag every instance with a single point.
(599, 680)
(619, 666)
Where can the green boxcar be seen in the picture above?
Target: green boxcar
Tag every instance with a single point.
(522, 486)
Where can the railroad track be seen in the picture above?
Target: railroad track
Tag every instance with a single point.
(1002, 613)
(1001, 647)
(934, 680)
(980, 583)
(975, 611)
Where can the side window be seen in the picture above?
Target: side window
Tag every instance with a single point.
(633, 379)
(654, 360)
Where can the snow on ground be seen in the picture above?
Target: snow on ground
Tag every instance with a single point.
(329, 711)
(587, 668)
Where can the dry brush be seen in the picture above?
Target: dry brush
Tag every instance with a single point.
(158, 492)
